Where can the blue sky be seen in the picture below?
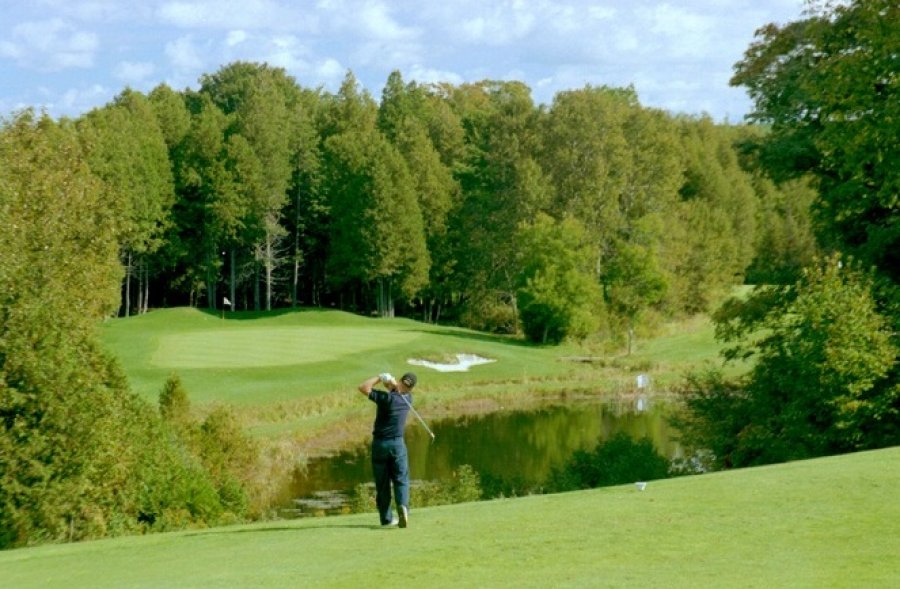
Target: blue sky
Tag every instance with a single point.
(68, 56)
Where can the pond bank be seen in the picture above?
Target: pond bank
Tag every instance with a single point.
(351, 427)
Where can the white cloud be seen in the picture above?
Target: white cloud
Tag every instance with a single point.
(83, 99)
(11, 50)
(331, 68)
(96, 10)
(184, 55)
(504, 24)
(330, 72)
(134, 73)
(375, 20)
(551, 45)
(50, 45)
(426, 75)
(235, 38)
(684, 33)
(234, 14)
(287, 52)
(602, 12)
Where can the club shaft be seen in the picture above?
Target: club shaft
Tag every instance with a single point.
(416, 413)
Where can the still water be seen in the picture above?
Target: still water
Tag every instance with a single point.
(514, 452)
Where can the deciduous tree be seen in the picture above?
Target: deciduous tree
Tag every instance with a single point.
(828, 86)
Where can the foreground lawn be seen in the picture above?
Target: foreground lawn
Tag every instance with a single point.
(832, 522)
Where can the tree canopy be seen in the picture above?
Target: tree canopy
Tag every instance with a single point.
(825, 377)
(828, 86)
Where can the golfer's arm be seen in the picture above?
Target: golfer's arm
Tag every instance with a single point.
(366, 386)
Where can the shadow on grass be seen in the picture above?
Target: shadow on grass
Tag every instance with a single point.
(290, 529)
(481, 337)
(251, 315)
(459, 333)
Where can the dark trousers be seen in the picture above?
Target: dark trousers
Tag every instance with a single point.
(390, 465)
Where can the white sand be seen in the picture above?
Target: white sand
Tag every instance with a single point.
(464, 361)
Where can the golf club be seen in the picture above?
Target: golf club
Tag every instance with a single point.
(416, 413)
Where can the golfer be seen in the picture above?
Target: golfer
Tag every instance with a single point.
(390, 463)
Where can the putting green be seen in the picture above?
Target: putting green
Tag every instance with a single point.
(265, 347)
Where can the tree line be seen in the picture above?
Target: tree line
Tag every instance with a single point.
(466, 203)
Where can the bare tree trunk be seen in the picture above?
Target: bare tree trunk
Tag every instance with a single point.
(270, 264)
(211, 261)
(233, 280)
(390, 297)
(140, 286)
(296, 276)
(256, 301)
(146, 287)
(128, 286)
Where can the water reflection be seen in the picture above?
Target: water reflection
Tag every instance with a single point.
(513, 451)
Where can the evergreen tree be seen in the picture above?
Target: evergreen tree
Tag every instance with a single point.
(786, 241)
(127, 149)
(214, 202)
(377, 232)
(77, 449)
(263, 104)
(401, 118)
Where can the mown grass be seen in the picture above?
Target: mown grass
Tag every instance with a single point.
(294, 373)
(832, 522)
(255, 359)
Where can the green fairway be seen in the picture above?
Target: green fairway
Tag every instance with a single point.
(258, 347)
(258, 359)
(294, 373)
(832, 522)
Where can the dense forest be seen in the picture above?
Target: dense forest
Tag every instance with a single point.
(467, 203)
(470, 204)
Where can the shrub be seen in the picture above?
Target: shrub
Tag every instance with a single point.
(174, 405)
(824, 379)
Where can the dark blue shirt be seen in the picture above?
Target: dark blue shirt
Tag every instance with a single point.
(390, 417)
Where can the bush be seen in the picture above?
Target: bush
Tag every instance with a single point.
(174, 405)
(485, 313)
(824, 379)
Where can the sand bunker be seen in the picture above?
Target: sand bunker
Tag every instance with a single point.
(462, 364)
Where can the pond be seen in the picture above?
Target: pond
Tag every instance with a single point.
(514, 452)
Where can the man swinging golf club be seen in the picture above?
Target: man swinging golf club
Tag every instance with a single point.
(390, 462)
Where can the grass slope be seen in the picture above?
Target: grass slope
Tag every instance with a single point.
(832, 522)
(260, 358)
(293, 374)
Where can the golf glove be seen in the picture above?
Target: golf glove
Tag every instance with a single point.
(386, 378)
